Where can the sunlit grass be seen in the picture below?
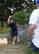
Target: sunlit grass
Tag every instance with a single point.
(4, 30)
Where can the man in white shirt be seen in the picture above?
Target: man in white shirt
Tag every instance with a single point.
(34, 28)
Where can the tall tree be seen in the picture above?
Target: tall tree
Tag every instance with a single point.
(15, 5)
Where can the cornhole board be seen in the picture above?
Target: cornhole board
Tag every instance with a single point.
(3, 41)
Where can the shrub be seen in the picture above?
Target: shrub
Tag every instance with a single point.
(21, 17)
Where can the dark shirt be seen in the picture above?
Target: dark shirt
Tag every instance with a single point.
(13, 26)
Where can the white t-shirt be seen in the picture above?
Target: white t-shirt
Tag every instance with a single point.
(34, 19)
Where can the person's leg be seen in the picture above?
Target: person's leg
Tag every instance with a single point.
(14, 39)
(15, 36)
(17, 39)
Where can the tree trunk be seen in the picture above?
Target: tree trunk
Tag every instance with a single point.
(2, 24)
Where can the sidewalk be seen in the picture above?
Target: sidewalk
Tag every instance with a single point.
(12, 49)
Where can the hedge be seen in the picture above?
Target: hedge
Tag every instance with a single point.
(21, 17)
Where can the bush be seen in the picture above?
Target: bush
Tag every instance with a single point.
(21, 17)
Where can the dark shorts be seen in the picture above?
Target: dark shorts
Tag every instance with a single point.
(33, 47)
(14, 33)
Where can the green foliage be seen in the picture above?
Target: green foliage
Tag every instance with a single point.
(33, 7)
(21, 17)
(18, 5)
(28, 49)
(1, 9)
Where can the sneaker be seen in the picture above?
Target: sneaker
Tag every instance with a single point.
(13, 43)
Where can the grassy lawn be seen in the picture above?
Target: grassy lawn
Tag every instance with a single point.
(27, 49)
(4, 30)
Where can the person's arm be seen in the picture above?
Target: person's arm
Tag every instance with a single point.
(9, 20)
(17, 25)
(32, 24)
(30, 31)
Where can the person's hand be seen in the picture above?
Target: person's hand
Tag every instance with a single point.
(28, 38)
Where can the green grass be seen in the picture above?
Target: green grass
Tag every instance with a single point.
(27, 49)
(4, 30)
